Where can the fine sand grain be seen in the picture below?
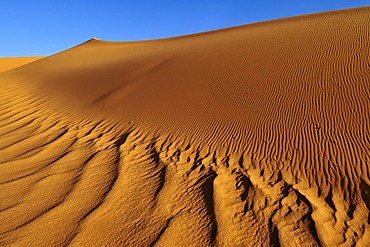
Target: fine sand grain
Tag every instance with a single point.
(256, 135)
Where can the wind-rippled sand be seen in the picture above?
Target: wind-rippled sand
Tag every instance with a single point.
(250, 136)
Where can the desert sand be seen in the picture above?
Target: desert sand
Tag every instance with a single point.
(256, 135)
(9, 63)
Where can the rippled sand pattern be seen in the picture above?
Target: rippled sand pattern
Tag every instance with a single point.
(250, 136)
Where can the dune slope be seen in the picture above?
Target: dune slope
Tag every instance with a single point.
(256, 135)
(14, 62)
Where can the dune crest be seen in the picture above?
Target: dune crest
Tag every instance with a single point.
(250, 136)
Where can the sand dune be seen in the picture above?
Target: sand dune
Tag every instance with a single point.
(256, 135)
(14, 62)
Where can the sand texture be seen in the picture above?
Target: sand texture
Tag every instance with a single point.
(14, 62)
(256, 135)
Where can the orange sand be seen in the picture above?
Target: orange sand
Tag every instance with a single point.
(13, 62)
(256, 135)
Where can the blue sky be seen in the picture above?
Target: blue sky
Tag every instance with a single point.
(44, 27)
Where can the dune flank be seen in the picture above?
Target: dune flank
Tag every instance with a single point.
(13, 62)
(256, 135)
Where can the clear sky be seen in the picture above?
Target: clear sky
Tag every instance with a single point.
(44, 27)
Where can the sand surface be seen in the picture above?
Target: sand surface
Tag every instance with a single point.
(256, 135)
(9, 63)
